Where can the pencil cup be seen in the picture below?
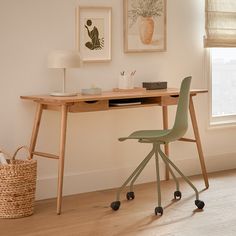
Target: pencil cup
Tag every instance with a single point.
(126, 82)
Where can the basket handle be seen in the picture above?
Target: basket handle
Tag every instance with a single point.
(18, 149)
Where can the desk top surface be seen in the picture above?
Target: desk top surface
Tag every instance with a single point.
(109, 95)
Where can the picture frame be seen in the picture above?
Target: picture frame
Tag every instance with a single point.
(144, 25)
(93, 33)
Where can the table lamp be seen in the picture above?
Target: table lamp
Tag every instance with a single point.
(64, 59)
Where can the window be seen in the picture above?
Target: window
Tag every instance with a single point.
(223, 85)
(220, 27)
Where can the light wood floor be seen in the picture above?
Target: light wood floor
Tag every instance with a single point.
(89, 214)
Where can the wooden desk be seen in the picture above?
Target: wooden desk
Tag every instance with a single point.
(105, 101)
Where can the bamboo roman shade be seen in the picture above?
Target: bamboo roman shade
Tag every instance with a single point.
(220, 23)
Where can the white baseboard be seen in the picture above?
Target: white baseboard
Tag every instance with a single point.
(112, 178)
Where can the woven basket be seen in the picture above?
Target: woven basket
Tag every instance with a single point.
(17, 187)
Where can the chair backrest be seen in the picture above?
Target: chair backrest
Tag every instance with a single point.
(181, 119)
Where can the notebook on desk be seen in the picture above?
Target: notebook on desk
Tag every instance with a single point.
(125, 102)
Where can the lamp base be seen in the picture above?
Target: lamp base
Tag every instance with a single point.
(61, 94)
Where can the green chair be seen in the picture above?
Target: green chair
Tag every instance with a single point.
(158, 138)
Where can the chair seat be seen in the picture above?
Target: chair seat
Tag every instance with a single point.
(152, 135)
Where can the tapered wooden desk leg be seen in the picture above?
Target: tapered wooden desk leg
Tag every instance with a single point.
(61, 157)
(35, 131)
(198, 141)
(165, 126)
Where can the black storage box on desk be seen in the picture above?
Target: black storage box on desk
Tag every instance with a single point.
(155, 85)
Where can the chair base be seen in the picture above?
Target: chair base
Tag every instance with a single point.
(133, 177)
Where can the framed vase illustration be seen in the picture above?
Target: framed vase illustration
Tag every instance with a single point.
(144, 25)
(93, 33)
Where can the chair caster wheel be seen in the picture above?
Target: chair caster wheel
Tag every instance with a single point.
(115, 205)
(177, 195)
(199, 204)
(159, 211)
(130, 195)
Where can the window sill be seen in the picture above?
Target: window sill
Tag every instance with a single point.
(222, 124)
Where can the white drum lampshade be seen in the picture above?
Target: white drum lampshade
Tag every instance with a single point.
(63, 59)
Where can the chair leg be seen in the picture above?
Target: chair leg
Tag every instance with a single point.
(159, 209)
(115, 205)
(198, 203)
(138, 173)
(177, 193)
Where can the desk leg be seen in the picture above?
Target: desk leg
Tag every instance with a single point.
(35, 131)
(198, 141)
(165, 126)
(61, 157)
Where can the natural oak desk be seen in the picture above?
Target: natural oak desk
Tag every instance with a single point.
(105, 101)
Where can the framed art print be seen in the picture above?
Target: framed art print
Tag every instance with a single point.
(93, 33)
(144, 25)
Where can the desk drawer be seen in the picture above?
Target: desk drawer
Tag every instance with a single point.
(169, 100)
(85, 106)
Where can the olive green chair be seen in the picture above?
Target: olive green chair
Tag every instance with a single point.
(158, 138)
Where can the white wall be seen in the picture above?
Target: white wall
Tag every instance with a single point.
(29, 29)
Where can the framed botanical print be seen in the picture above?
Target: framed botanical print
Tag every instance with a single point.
(93, 33)
(144, 25)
